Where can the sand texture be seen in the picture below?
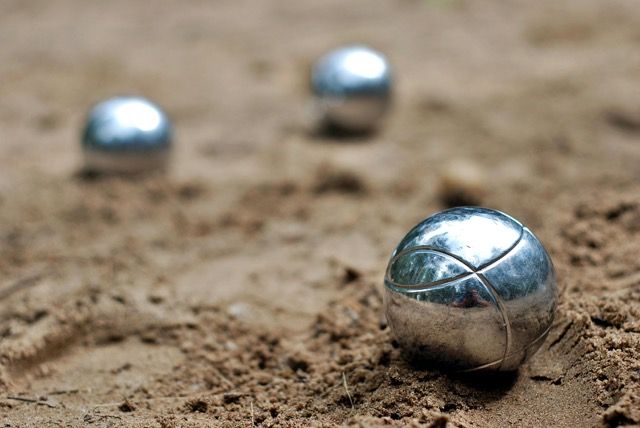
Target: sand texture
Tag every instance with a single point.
(244, 287)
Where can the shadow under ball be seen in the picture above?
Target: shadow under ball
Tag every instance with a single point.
(470, 289)
(126, 135)
(352, 88)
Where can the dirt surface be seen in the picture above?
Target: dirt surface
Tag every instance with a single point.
(244, 288)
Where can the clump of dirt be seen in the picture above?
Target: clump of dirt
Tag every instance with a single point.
(462, 182)
(331, 179)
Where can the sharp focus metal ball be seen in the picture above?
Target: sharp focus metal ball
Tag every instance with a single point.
(352, 86)
(126, 135)
(470, 288)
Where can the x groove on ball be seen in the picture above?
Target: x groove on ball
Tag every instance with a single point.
(470, 288)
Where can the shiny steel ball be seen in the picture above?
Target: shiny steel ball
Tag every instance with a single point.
(470, 289)
(352, 88)
(126, 135)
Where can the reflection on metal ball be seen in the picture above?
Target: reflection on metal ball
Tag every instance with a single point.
(352, 87)
(126, 135)
(470, 289)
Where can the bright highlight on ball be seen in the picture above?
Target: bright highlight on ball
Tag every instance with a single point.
(352, 86)
(470, 288)
(126, 135)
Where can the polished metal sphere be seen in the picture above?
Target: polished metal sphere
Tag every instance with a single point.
(126, 135)
(352, 88)
(470, 289)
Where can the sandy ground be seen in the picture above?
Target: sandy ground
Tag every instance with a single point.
(245, 287)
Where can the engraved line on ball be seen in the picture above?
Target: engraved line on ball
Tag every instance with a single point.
(416, 288)
(502, 255)
(423, 286)
(420, 286)
(502, 360)
(503, 312)
(407, 291)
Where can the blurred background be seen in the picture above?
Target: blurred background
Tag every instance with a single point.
(532, 108)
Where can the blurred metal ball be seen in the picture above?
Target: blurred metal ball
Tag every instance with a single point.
(126, 135)
(352, 88)
(470, 288)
